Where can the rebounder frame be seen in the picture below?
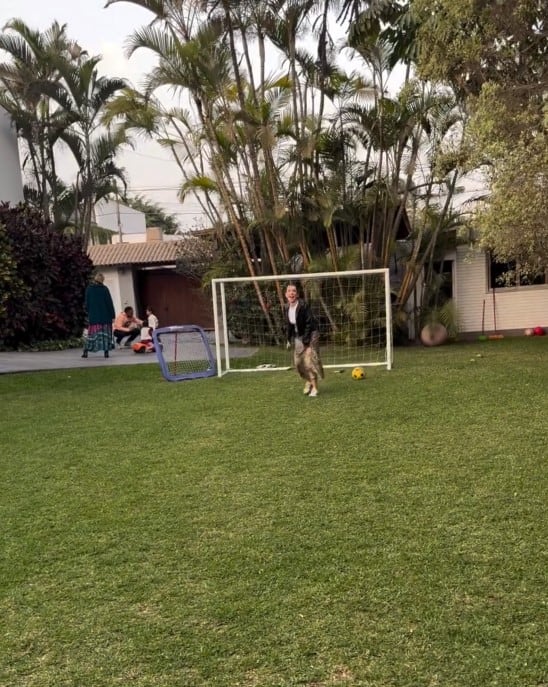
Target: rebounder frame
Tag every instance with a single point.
(211, 370)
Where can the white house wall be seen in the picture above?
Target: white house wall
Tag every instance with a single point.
(112, 215)
(515, 308)
(119, 281)
(11, 183)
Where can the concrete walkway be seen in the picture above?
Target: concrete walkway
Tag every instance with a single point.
(60, 360)
(17, 361)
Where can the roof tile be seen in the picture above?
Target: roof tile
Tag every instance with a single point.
(151, 253)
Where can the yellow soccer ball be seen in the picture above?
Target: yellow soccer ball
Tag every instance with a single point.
(358, 373)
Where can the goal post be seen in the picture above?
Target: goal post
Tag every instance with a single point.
(353, 310)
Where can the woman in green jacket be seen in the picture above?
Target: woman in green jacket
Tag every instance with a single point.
(100, 311)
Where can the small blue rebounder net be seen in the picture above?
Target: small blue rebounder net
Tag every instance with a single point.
(184, 353)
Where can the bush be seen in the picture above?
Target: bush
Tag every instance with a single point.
(43, 276)
(8, 273)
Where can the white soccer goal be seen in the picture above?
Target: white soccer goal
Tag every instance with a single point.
(353, 310)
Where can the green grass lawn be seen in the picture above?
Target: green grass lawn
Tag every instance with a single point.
(391, 532)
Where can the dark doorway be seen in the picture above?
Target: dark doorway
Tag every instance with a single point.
(445, 271)
(174, 298)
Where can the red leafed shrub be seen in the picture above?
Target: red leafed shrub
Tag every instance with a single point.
(43, 276)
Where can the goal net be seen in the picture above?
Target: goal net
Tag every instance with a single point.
(352, 308)
(184, 353)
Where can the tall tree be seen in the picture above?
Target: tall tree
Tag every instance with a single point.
(305, 163)
(33, 58)
(53, 93)
(494, 54)
(468, 44)
(195, 61)
(84, 95)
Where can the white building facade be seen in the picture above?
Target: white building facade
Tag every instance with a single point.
(128, 225)
(11, 182)
(481, 308)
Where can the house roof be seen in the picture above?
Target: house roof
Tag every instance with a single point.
(148, 253)
(191, 250)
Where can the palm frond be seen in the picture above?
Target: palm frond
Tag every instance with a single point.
(198, 183)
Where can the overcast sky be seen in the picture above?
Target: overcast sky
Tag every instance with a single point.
(102, 31)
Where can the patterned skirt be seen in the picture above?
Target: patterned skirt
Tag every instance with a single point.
(99, 338)
(307, 360)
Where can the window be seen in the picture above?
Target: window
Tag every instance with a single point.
(508, 274)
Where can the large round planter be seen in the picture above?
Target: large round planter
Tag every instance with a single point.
(433, 334)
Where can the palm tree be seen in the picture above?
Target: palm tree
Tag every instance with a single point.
(83, 95)
(288, 163)
(33, 59)
(52, 91)
(197, 63)
(390, 21)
